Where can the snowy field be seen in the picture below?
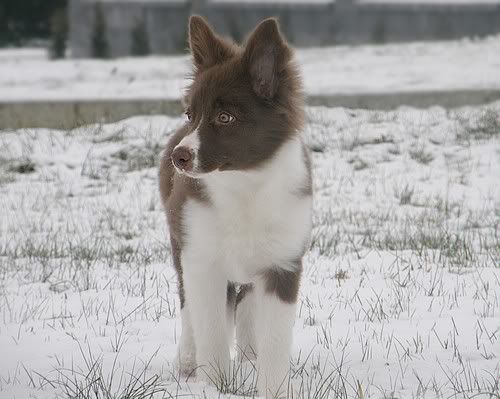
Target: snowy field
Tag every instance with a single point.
(401, 291)
(464, 64)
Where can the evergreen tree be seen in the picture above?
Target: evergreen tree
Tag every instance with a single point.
(58, 33)
(140, 40)
(379, 34)
(25, 20)
(100, 46)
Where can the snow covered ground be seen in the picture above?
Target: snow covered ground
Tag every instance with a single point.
(401, 291)
(465, 64)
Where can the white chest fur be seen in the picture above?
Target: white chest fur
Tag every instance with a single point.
(254, 220)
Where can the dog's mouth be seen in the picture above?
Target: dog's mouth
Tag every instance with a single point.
(199, 175)
(188, 173)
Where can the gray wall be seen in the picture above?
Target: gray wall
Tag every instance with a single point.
(400, 22)
(315, 24)
(165, 22)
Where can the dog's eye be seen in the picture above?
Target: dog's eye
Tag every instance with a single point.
(225, 118)
(189, 115)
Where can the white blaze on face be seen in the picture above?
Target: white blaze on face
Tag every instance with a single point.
(192, 142)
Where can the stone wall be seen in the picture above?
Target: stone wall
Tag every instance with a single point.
(313, 24)
(406, 22)
(67, 114)
(165, 23)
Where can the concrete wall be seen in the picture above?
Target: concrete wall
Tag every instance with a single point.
(165, 23)
(69, 114)
(400, 22)
(303, 24)
(313, 24)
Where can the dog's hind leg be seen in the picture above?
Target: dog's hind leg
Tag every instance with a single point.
(185, 361)
(245, 323)
(231, 309)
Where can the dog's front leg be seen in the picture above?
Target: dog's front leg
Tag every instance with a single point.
(276, 297)
(206, 294)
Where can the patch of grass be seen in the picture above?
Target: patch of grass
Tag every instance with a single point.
(138, 158)
(394, 150)
(6, 178)
(354, 138)
(59, 258)
(325, 240)
(358, 163)
(483, 124)
(316, 146)
(122, 155)
(23, 167)
(93, 168)
(93, 381)
(454, 249)
(113, 137)
(466, 382)
(340, 275)
(404, 194)
(351, 139)
(420, 153)
(317, 137)
(241, 381)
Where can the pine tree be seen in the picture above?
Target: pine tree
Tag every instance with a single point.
(140, 40)
(379, 35)
(100, 46)
(58, 34)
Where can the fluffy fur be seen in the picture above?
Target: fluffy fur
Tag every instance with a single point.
(236, 186)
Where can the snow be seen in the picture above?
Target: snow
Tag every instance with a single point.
(464, 64)
(400, 296)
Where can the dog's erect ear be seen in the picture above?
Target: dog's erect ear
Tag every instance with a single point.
(206, 47)
(266, 55)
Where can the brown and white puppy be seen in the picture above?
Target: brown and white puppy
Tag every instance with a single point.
(235, 182)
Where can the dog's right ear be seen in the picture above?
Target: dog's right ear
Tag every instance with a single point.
(206, 47)
(266, 55)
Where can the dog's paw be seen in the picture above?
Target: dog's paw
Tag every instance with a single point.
(185, 363)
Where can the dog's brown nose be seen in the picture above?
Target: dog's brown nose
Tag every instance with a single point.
(182, 157)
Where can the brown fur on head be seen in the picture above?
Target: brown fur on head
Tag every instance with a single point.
(244, 102)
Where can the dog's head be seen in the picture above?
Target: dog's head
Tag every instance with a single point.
(243, 103)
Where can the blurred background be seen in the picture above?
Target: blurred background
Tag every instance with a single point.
(114, 28)
(354, 53)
